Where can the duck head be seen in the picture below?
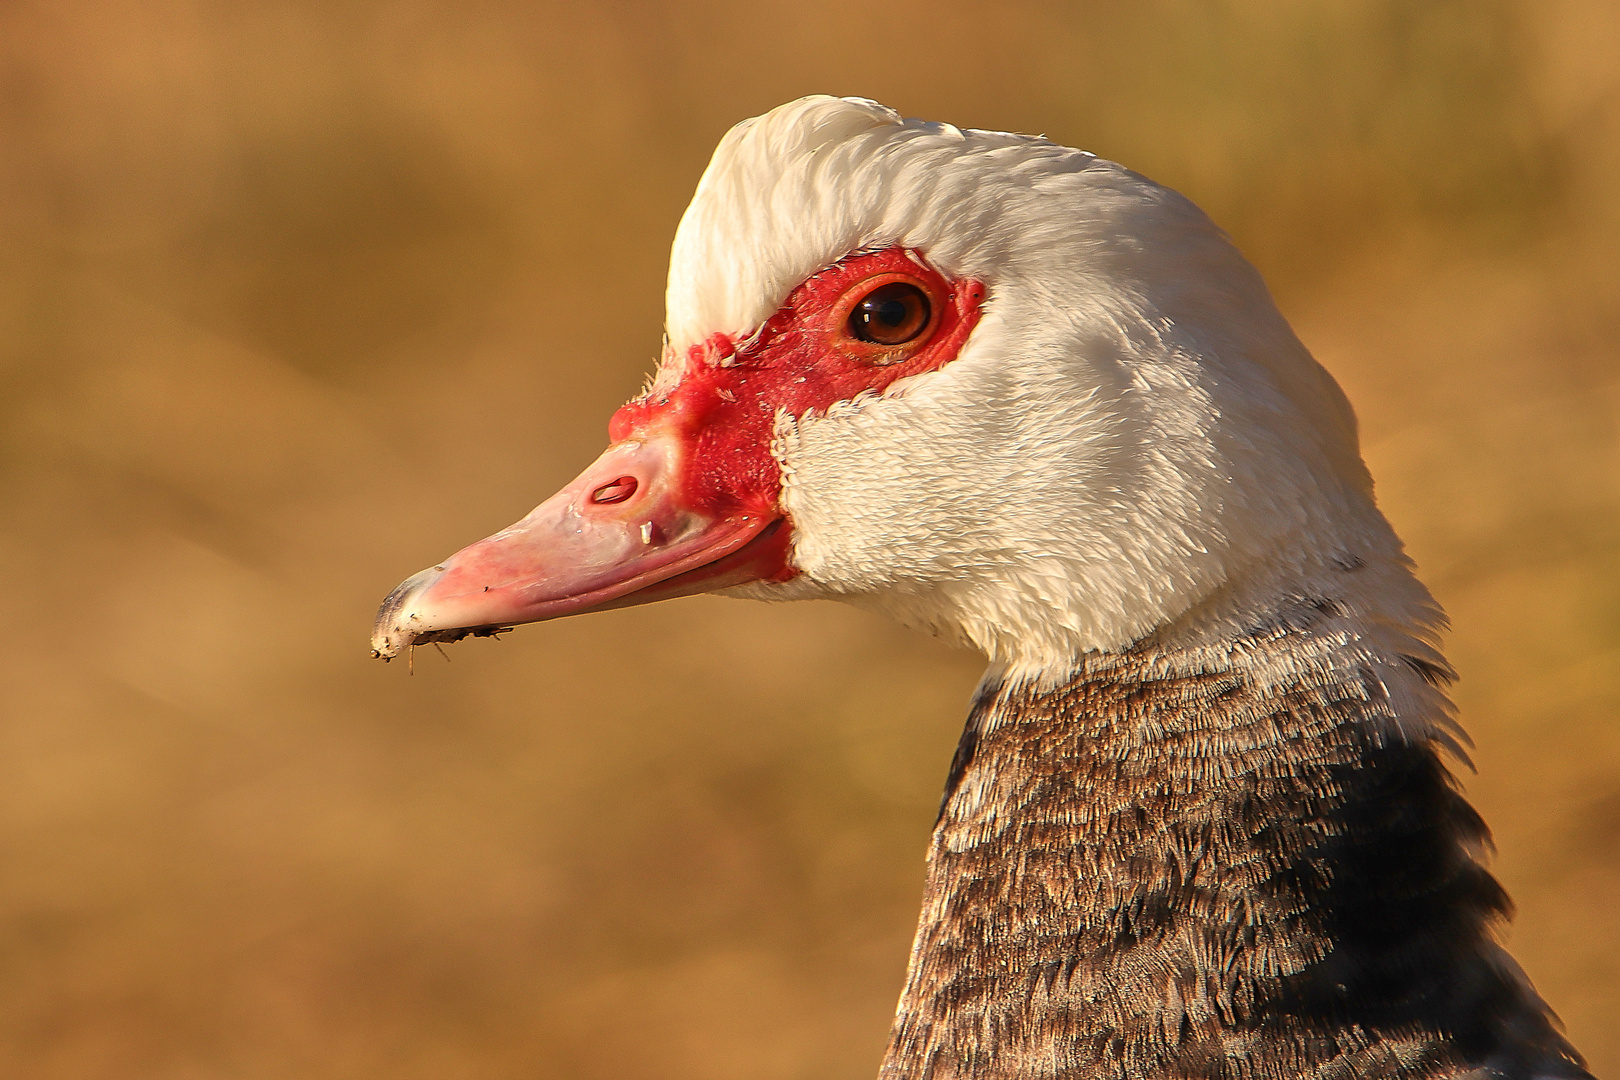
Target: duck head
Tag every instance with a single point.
(998, 388)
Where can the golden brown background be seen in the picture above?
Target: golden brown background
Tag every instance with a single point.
(298, 297)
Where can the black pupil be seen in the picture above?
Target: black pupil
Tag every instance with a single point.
(891, 314)
(888, 312)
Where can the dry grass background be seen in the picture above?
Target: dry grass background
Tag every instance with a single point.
(297, 296)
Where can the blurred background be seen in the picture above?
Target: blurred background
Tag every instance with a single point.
(299, 296)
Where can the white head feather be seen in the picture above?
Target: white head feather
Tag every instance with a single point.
(1132, 441)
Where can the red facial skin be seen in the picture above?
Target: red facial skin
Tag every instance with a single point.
(690, 467)
(803, 359)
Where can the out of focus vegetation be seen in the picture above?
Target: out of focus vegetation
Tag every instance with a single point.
(297, 296)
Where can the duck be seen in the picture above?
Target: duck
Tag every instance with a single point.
(1201, 820)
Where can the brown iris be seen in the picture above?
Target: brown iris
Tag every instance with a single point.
(890, 314)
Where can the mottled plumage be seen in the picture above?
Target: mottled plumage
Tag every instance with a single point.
(1176, 864)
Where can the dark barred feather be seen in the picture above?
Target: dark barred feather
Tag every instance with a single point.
(1140, 874)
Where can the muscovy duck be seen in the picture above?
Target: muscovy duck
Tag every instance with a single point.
(1199, 822)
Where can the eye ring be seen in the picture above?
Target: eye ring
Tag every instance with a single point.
(886, 318)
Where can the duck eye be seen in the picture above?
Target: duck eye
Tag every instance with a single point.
(891, 314)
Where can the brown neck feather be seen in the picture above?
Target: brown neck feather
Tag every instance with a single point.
(1179, 868)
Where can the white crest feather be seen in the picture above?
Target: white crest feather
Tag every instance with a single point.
(1132, 440)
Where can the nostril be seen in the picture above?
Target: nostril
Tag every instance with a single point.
(615, 491)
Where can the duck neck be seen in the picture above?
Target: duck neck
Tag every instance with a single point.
(1247, 861)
